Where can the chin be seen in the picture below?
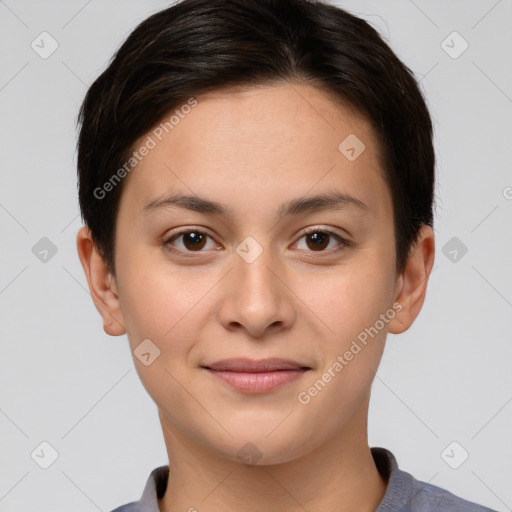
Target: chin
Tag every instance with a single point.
(254, 447)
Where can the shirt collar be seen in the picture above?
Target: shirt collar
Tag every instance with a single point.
(399, 484)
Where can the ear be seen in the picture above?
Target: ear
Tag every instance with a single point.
(102, 284)
(411, 285)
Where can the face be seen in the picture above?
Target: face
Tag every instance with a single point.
(250, 278)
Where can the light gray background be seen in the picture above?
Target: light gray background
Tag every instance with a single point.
(64, 381)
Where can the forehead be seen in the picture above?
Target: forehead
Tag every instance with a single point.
(243, 143)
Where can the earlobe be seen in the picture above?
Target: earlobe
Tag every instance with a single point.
(102, 285)
(412, 283)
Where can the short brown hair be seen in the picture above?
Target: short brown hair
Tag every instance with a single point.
(197, 46)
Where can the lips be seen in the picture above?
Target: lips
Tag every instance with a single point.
(255, 366)
(253, 376)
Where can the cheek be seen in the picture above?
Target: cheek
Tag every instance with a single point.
(349, 299)
(163, 304)
(351, 352)
(156, 308)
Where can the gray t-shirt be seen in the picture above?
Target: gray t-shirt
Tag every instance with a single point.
(403, 492)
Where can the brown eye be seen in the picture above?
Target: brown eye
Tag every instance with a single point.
(317, 240)
(191, 241)
(195, 241)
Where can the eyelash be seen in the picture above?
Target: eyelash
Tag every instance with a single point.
(343, 243)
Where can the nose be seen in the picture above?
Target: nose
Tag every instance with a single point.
(256, 297)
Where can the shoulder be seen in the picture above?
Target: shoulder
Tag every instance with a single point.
(129, 507)
(404, 493)
(154, 489)
(429, 498)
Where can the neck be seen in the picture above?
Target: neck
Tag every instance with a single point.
(339, 475)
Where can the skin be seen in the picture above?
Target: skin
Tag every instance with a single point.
(253, 149)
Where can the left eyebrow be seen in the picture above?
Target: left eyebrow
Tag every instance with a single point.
(331, 200)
